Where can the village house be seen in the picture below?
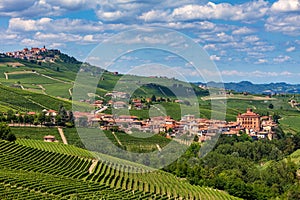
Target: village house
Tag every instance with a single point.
(119, 105)
(50, 138)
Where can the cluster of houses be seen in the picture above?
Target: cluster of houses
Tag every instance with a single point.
(256, 126)
(34, 53)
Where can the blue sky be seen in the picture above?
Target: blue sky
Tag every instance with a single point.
(257, 40)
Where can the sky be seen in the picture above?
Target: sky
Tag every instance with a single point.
(257, 41)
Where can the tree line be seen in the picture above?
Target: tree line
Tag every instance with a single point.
(61, 118)
(244, 168)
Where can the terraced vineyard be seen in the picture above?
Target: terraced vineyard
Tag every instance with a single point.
(32, 173)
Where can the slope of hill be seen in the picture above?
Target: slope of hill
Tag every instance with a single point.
(31, 172)
(21, 100)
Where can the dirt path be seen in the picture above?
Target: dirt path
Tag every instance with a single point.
(43, 89)
(119, 142)
(62, 135)
(92, 167)
(6, 75)
(70, 91)
(158, 109)
(55, 79)
(158, 147)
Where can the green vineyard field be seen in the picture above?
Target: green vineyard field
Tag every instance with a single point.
(36, 170)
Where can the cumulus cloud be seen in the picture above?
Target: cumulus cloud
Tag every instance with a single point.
(287, 24)
(155, 15)
(224, 11)
(19, 24)
(281, 59)
(30, 42)
(12, 6)
(290, 49)
(215, 58)
(286, 6)
(210, 47)
(30, 8)
(242, 31)
(251, 38)
(261, 61)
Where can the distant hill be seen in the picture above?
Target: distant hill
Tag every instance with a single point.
(54, 79)
(246, 86)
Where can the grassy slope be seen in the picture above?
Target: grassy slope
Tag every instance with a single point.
(35, 133)
(21, 100)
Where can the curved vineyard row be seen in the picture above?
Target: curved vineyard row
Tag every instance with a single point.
(56, 147)
(54, 173)
(33, 185)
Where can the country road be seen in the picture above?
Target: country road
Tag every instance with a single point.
(62, 135)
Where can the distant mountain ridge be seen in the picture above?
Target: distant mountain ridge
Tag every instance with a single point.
(267, 88)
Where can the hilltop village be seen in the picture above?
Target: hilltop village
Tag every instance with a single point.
(35, 54)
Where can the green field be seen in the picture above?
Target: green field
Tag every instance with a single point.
(35, 133)
(21, 100)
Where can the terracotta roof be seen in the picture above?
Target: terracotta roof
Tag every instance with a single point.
(249, 113)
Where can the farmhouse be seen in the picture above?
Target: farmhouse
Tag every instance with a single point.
(49, 138)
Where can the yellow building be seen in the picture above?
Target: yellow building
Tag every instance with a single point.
(249, 120)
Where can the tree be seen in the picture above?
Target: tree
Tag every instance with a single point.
(271, 106)
(153, 98)
(20, 119)
(11, 137)
(5, 133)
(10, 116)
(71, 117)
(42, 118)
(63, 114)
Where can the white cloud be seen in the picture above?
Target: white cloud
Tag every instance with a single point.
(242, 31)
(35, 8)
(31, 43)
(10, 6)
(210, 47)
(224, 11)
(290, 49)
(59, 25)
(215, 58)
(72, 4)
(56, 45)
(251, 38)
(287, 24)
(111, 16)
(88, 38)
(286, 6)
(261, 61)
(155, 15)
(57, 37)
(19, 24)
(281, 59)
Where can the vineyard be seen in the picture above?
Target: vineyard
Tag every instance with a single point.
(21, 100)
(37, 170)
